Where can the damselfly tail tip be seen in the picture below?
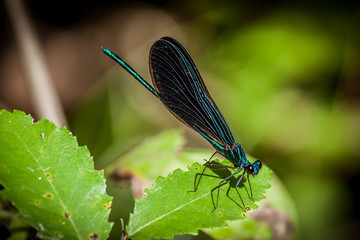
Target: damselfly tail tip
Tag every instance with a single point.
(105, 50)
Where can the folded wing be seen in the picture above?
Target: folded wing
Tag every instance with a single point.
(183, 92)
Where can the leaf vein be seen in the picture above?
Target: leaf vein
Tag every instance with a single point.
(164, 215)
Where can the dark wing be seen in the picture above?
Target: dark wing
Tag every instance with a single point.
(183, 92)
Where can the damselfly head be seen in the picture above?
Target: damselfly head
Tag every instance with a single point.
(254, 168)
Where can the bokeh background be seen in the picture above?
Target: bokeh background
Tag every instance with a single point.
(285, 75)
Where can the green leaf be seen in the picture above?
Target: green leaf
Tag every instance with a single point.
(51, 180)
(168, 209)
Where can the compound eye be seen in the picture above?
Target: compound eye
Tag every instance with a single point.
(250, 169)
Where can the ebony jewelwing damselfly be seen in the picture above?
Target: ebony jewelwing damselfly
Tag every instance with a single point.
(179, 86)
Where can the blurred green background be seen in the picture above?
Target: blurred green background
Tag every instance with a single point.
(286, 76)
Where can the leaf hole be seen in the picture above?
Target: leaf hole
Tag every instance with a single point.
(107, 205)
(94, 236)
